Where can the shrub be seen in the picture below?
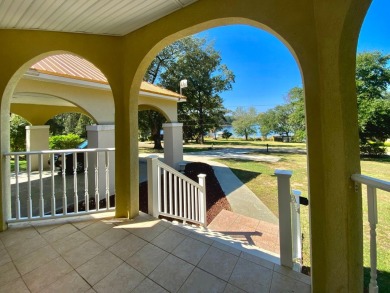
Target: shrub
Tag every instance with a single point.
(68, 141)
(372, 149)
(226, 134)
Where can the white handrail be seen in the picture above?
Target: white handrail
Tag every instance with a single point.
(89, 150)
(372, 185)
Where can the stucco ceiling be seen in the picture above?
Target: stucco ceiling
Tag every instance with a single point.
(102, 17)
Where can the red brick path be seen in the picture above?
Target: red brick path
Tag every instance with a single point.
(248, 230)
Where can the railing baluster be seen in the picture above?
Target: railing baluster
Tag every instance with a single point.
(175, 194)
(159, 188)
(165, 191)
(75, 194)
(97, 182)
(185, 208)
(188, 200)
(86, 194)
(170, 193)
(17, 198)
(29, 200)
(180, 197)
(107, 180)
(53, 196)
(373, 220)
(192, 203)
(41, 200)
(64, 199)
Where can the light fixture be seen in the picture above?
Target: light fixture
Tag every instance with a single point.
(183, 84)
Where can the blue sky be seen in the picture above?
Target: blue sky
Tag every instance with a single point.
(265, 69)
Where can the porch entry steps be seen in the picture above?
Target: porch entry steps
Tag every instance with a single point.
(79, 187)
(174, 195)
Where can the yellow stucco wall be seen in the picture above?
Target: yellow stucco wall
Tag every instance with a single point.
(322, 36)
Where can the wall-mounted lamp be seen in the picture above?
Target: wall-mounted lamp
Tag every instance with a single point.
(183, 84)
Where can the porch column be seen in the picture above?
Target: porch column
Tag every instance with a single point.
(101, 136)
(173, 144)
(37, 139)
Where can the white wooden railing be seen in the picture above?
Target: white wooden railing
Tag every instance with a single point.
(372, 185)
(174, 195)
(290, 236)
(42, 194)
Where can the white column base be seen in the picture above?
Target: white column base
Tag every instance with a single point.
(173, 144)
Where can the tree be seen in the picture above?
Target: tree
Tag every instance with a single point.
(150, 121)
(81, 127)
(296, 101)
(18, 133)
(150, 124)
(276, 120)
(207, 77)
(372, 84)
(244, 122)
(226, 134)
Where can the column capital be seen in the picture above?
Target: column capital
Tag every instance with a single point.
(173, 124)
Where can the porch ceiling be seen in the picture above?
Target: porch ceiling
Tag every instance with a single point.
(103, 17)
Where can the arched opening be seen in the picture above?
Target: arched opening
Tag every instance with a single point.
(290, 162)
(58, 84)
(373, 104)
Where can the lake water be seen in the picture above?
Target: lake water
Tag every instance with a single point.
(231, 130)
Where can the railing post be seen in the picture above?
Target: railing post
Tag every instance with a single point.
(202, 198)
(152, 185)
(296, 229)
(285, 233)
(373, 220)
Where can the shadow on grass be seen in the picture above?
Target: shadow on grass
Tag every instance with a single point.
(383, 279)
(382, 159)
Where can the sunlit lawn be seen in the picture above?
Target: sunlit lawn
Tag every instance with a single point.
(258, 176)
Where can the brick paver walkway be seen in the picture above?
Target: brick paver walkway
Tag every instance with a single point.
(248, 230)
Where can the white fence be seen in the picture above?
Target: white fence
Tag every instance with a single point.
(41, 194)
(174, 195)
(289, 222)
(372, 185)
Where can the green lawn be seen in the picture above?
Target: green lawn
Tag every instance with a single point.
(22, 165)
(258, 176)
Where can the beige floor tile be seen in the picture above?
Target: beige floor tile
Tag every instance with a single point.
(168, 240)
(8, 273)
(1, 245)
(76, 257)
(25, 247)
(150, 232)
(232, 289)
(282, 283)
(46, 226)
(47, 274)
(35, 259)
(201, 281)
(226, 248)
(17, 235)
(127, 246)
(292, 274)
(80, 224)
(147, 259)
(258, 260)
(218, 262)
(99, 267)
(191, 250)
(70, 242)
(59, 232)
(111, 236)
(148, 286)
(122, 279)
(180, 229)
(71, 282)
(4, 257)
(16, 285)
(171, 273)
(201, 237)
(97, 228)
(251, 277)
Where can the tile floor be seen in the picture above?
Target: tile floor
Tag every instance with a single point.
(142, 255)
(248, 230)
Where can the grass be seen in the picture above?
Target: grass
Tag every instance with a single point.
(22, 165)
(258, 176)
